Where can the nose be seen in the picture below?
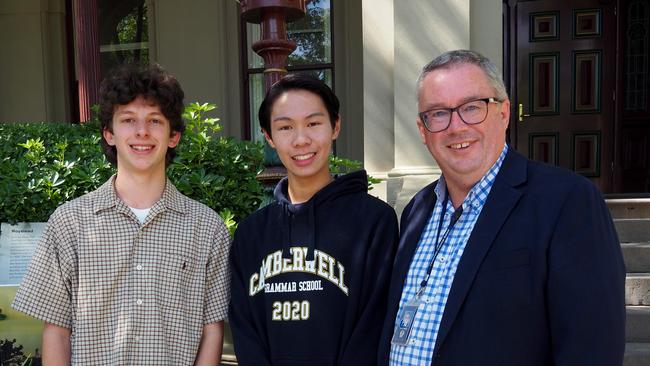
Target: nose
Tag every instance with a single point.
(456, 122)
(301, 137)
(141, 128)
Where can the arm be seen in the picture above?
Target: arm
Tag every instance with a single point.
(211, 345)
(249, 347)
(586, 283)
(56, 345)
(361, 348)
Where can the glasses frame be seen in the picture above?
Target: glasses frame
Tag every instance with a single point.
(423, 118)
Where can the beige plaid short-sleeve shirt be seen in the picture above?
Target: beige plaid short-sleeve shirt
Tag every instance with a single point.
(131, 294)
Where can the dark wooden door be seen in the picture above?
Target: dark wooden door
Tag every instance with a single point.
(565, 85)
(633, 169)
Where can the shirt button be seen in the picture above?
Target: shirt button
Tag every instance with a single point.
(138, 267)
(139, 302)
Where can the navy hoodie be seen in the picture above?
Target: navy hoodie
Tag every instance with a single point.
(310, 281)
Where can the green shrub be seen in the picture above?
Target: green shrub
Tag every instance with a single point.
(218, 171)
(46, 164)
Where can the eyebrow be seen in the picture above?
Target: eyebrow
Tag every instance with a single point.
(127, 113)
(285, 118)
(444, 106)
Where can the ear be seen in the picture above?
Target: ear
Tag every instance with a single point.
(174, 138)
(108, 136)
(268, 138)
(505, 113)
(337, 129)
(422, 129)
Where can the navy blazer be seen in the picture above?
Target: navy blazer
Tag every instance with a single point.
(541, 280)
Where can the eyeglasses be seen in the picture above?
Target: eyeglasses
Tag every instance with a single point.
(472, 113)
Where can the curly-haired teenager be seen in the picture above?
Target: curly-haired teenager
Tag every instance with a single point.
(133, 273)
(310, 271)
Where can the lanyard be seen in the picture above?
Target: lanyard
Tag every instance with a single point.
(439, 243)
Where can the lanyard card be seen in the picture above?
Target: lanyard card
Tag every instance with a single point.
(404, 323)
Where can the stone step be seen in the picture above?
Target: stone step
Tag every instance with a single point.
(637, 289)
(633, 230)
(636, 256)
(629, 208)
(637, 354)
(637, 324)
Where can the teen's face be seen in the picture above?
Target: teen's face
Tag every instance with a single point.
(302, 134)
(141, 134)
(463, 151)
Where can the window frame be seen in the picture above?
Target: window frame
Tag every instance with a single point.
(246, 71)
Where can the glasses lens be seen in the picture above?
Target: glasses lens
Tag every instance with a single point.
(473, 112)
(437, 119)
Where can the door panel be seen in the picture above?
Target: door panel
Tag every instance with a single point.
(565, 71)
(633, 173)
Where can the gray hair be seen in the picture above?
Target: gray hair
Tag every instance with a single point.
(461, 57)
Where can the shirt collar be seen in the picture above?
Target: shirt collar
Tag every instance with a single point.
(478, 194)
(107, 198)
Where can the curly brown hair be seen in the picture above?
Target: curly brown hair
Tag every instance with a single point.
(153, 83)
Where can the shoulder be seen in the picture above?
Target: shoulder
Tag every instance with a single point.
(202, 214)
(557, 180)
(74, 210)
(375, 206)
(422, 195)
(259, 217)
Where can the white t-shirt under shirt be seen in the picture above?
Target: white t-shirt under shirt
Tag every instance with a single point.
(140, 213)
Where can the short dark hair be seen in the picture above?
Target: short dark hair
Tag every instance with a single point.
(464, 57)
(298, 81)
(127, 82)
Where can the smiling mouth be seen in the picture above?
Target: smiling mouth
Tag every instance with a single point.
(461, 145)
(303, 157)
(142, 147)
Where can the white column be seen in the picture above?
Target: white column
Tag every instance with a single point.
(423, 30)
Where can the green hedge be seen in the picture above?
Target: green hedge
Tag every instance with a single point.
(46, 164)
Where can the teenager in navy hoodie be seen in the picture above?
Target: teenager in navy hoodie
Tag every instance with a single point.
(310, 271)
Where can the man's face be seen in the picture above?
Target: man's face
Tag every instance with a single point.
(463, 152)
(302, 135)
(141, 134)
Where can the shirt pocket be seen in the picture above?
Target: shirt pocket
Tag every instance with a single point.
(177, 280)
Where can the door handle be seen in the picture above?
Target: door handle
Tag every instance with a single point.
(521, 113)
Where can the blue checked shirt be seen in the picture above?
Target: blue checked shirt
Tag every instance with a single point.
(419, 349)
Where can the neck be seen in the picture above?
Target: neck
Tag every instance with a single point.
(301, 190)
(457, 193)
(139, 190)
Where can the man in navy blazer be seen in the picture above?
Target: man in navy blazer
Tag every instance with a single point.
(503, 261)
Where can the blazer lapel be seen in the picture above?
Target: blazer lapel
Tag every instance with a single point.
(413, 226)
(502, 199)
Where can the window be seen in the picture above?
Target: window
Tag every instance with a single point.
(123, 33)
(313, 54)
(636, 57)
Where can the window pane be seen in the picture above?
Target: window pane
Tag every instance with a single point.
(253, 34)
(255, 97)
(312, 34)
(123, 33)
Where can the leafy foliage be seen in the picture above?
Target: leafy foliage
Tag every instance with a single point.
(218, 171)
(46, 164)
(340, 165)
(11, 354)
